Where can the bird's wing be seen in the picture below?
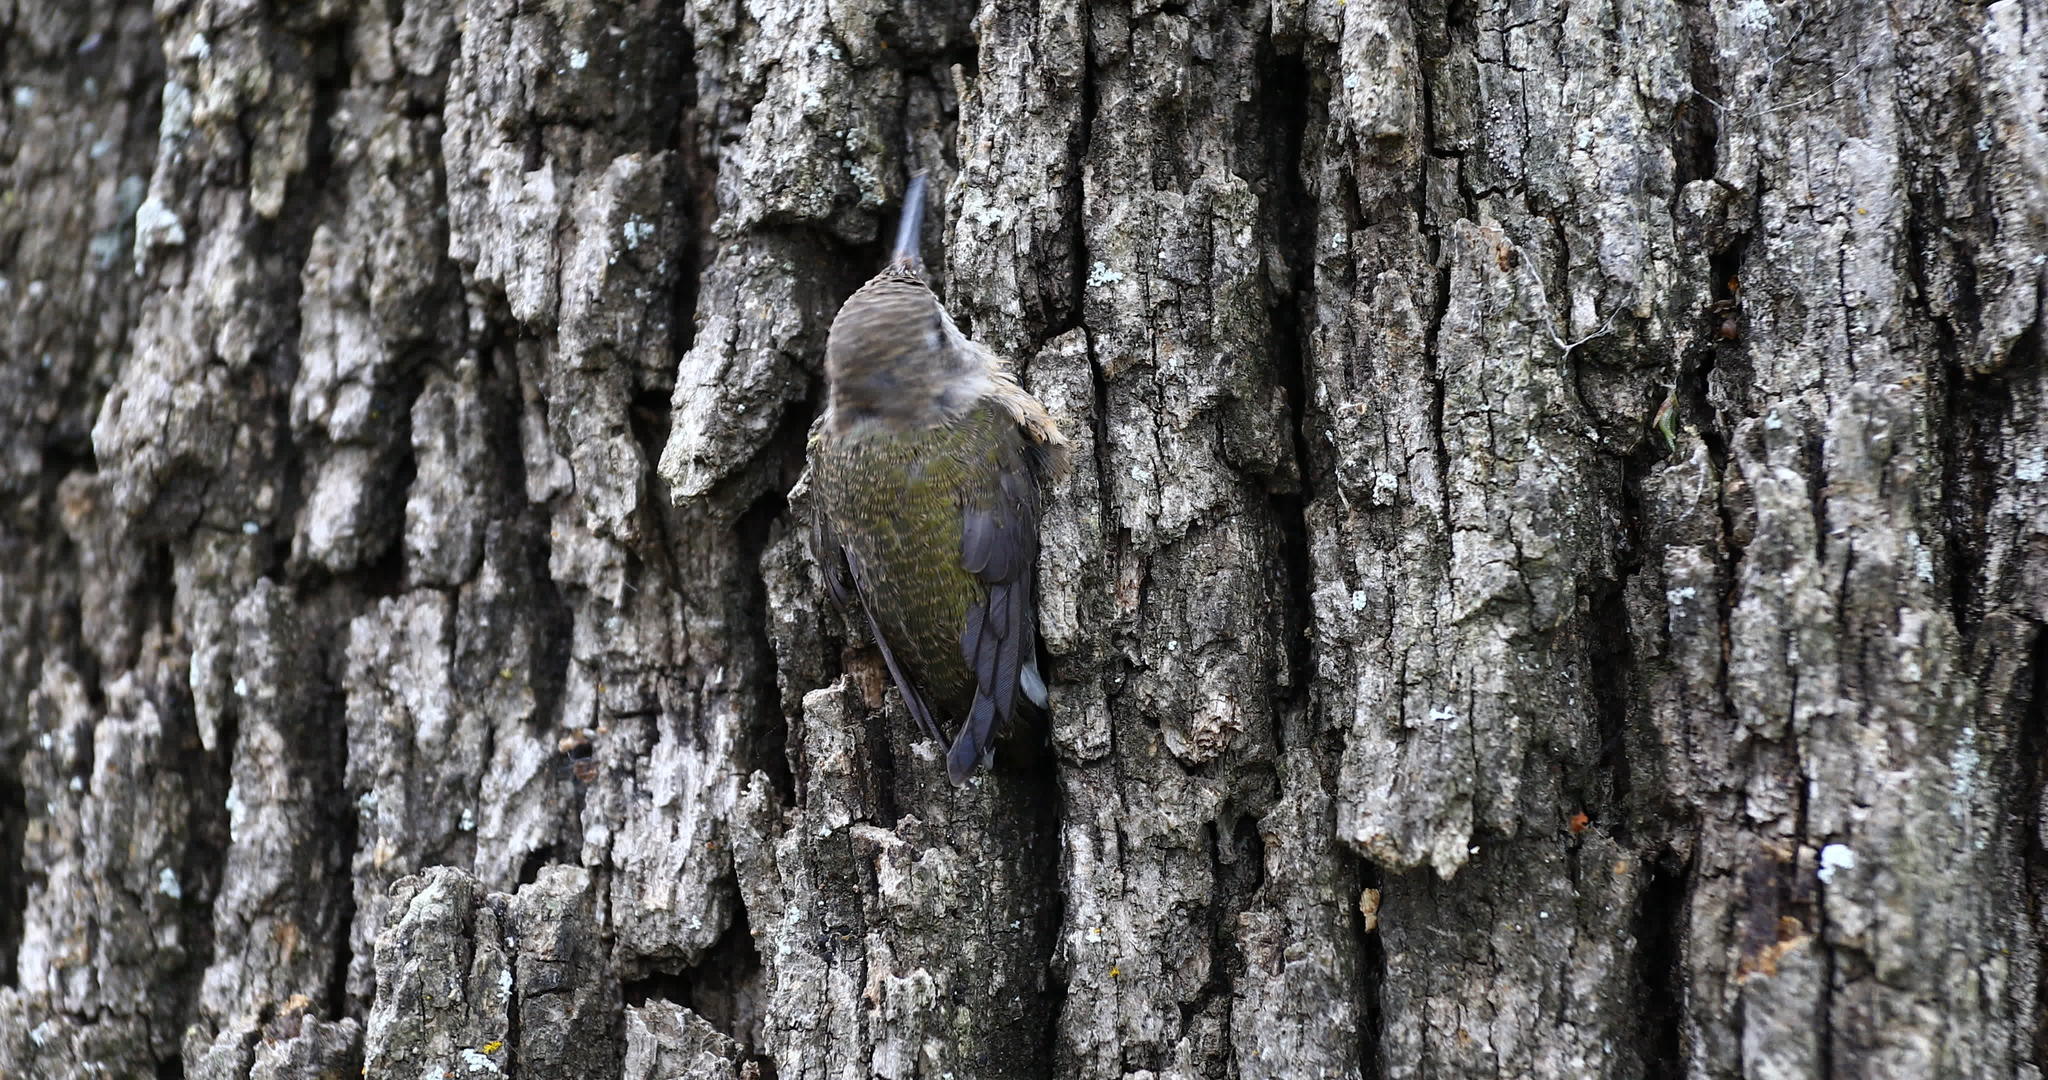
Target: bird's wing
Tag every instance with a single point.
(831, 559)
(844, 580)
(913, 698)
(999, 640)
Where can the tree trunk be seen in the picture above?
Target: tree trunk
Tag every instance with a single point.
(1555, 581)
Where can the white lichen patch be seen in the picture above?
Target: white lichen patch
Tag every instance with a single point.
(1756, 17)
(1835, 858)
(865, 179)
(236, 810)
(1385, 486)
(156, 225)
(1923, 559)
(2032, 467)
(177, 114)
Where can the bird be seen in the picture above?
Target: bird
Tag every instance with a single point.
(929, 467)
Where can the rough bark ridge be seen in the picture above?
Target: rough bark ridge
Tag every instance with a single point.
(1555, 582)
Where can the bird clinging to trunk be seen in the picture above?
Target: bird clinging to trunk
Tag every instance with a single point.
(927, 468)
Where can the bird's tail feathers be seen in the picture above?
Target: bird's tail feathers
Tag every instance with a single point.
(974, 744)
(1033, 684)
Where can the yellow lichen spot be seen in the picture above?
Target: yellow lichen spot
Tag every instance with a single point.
(1115, 971)
(494, 1046)
(1861, 210)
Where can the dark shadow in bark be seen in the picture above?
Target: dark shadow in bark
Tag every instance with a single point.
(674, 986)
(1660, 935)
(13, 868)
(725, 986)
(1291, 215)
(1695, 130)
(340, 820)
(1607, 785)
(32, 575)
(879, 778)
(1372, 971)
(2032, 738)
(384, 575)
(1028, 826)
(340, 1002)
(206, 829)
(1722, 353)
(309, 200)
(1237, 864)
(1604, 786)
(526, 542)
(1052, 991)
(696, 202)
(542, 857)
(770, 737)
(1976, 411)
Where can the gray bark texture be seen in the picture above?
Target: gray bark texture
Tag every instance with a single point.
(1554, 582)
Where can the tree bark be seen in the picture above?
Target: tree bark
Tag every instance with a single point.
(1554, 582)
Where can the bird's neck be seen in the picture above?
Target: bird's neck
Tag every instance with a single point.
(880, 404)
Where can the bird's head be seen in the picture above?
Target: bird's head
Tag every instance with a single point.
(894, 356)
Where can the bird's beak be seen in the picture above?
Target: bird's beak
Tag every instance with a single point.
(910, 229)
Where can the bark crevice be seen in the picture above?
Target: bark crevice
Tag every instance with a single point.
(1417, 710)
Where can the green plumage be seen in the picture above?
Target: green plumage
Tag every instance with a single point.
(895, 504)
